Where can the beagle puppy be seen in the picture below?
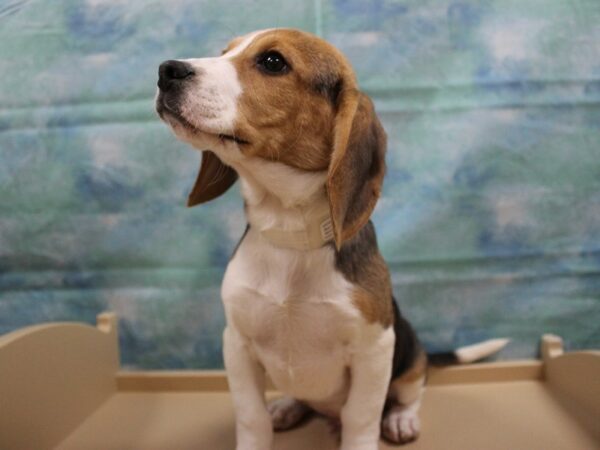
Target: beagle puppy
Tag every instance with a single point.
(307, 295)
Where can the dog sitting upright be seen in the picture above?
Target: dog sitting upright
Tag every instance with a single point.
(307, 295)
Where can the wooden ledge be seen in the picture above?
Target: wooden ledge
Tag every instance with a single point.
(216, 380)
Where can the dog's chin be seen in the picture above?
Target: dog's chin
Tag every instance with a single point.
(193, 135)
(181, 128)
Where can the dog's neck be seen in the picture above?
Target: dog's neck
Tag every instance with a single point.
(287, 206)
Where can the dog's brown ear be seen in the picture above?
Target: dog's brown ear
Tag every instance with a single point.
(357, 166)
(214, 178)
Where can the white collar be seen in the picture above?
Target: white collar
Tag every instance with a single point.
(294, 188)
(316, 234)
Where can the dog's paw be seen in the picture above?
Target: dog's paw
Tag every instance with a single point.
(286, 412)
(400, 424)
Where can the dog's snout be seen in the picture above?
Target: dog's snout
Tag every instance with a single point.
(171, 72)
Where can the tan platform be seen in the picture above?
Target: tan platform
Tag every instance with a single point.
(60, 387)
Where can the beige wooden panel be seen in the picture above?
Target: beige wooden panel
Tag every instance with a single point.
(574, 379)
(518, 415)
(51, 377)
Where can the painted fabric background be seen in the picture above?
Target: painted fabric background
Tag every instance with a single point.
(490, 218)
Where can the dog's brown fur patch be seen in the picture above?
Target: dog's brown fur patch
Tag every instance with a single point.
(404, 389)
(370, 307)
(362, 264)
(289, 117)
(415, 372)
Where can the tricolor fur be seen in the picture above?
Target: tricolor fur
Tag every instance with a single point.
(321, 322)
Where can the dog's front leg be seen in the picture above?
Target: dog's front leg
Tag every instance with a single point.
(247, 385)
(370, 369)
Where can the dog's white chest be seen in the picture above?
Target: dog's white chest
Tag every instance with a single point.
(295, 311)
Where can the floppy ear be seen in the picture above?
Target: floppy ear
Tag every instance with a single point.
(214, 178)
(357, 165)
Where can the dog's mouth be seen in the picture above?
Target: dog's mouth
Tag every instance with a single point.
(228, 137)
(168, 114)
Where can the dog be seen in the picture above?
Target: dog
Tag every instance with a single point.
(307, 295)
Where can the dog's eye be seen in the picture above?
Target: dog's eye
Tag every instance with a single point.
(272, 62)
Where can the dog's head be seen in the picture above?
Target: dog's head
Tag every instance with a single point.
(280, 95)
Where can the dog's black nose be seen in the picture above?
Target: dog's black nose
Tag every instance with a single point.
(172, 72)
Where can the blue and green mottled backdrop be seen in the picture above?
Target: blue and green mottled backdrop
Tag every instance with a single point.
(490, 218)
